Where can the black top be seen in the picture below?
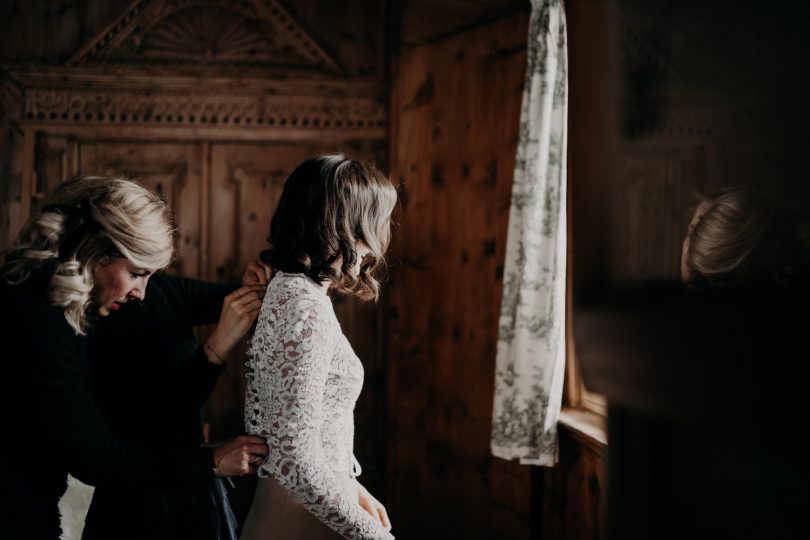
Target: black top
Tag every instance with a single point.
(151, 380)
(52, 423)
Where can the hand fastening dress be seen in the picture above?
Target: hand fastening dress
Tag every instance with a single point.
(302, 384)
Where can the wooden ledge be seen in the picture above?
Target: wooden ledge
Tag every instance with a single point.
(585, 426)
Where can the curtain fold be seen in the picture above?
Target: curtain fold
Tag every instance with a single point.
(530, 362)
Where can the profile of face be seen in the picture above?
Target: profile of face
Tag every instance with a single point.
(687, 273)
(117, 282)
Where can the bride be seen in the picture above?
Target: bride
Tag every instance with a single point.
(329, 232)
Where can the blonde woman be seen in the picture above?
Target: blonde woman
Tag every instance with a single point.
(329, 232)
(738, 238)
(91, 248)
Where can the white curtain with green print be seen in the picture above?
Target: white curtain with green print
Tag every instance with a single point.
(530, 361)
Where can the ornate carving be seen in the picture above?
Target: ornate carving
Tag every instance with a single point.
(191, 108)
(10, 104)
(9, 91)
(211, 32)
(205, 42)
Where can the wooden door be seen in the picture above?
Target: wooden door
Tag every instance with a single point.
(170, 169)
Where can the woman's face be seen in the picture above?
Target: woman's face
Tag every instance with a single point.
(686, 272)
(117, 282)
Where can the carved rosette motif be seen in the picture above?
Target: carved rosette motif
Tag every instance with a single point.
(176, 63)
(207, 32)
(88, 106)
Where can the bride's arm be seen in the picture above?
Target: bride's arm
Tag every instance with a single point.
(285, 404)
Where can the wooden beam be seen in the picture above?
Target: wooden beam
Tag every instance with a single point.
(27, 177)
(205, 194)
(210, 133)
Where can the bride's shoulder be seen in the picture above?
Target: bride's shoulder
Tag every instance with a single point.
(296, 292)
(293, 284)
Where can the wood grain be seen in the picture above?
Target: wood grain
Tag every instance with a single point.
(456, 113)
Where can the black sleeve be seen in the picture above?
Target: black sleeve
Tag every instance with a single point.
(73, 426)
(196, 377)
(194, 381)
(202, 300)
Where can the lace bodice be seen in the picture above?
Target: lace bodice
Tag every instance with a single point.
(303, 381)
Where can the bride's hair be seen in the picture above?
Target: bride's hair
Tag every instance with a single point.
(87, 221)
(328, 204)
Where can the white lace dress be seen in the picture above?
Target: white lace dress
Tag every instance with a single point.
(302, 384)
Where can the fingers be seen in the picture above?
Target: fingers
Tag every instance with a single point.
(251, 301)
(268, 272)
(378, 512)
(257, 450)
(252, 439)
(367, 506)
(245, 289)
(246, 299)
(383, 517)
(253, 445)
(240, 456)
(256, 273)
(371, 505)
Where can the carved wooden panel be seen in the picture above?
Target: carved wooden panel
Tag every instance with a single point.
(198, 70)
(57, 159)
(575, 490)
(190, 106)
(173, 171)
(193, 31)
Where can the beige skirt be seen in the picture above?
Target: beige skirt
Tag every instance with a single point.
(277, 515)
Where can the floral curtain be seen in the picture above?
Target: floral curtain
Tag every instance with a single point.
(530, 361)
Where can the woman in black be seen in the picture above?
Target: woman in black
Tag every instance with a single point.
(88, 252)
(146, 395)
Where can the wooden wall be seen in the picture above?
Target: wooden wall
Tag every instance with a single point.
(43, 32)
(710, 95)
(573, 501)
(455, 111)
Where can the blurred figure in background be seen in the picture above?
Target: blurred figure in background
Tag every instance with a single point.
(741, 239)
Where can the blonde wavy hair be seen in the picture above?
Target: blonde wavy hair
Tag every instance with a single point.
(85, 222)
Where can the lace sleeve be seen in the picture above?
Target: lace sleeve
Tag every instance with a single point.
(290, 365)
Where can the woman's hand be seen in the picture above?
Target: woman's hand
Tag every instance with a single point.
(372, 506)
(257, 273)
(241, 456)
(239, 311)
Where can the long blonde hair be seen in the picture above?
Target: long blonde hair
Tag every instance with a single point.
(85, 222)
